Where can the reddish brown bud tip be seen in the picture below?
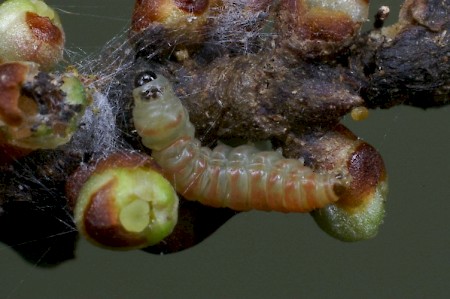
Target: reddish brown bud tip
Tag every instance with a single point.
(320, 24)
(317, 28)
(192, 6)
(101, 222)
(39, 109)
(43, 29)
(360, 210)
(168, 12)
(123, 202)
(11, 77)
(30, 31)
(367, 170)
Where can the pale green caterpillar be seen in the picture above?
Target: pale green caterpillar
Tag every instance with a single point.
(241, 178)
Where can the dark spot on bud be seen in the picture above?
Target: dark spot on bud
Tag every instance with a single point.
(12, 76)
(327, 26)
(101, 221)
(43, 29)
(192, 6)
(367, 170)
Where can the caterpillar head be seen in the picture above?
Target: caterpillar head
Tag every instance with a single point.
(150, 86)
(158, 115)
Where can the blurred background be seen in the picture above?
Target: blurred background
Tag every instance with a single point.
(273, 255)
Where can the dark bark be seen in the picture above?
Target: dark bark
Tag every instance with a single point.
(34, 217)
(411, 66)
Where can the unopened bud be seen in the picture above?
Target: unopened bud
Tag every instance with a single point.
(321, 27)
(123, 202)
(30, 31)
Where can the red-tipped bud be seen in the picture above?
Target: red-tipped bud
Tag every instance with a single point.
(30, 31)
(123, 202)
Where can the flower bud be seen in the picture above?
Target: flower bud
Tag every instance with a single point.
(160, 26)
(30, 31)
(123, 202)
(39, 110)
(360, 209)
(321, 27)
(170, 13)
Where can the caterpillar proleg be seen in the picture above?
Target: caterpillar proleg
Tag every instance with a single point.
(240, 178)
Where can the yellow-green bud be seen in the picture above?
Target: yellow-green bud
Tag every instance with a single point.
(354, 224)
(30, 31)
(39, 110)
(359, 212)
(124, 202)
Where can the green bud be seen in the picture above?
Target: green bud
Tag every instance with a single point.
(126, 203)
(39, 110)
(30, 31)
(354, 223)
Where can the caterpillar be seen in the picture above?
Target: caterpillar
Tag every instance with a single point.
(241, 178)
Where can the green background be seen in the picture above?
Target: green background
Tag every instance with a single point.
(273, 255)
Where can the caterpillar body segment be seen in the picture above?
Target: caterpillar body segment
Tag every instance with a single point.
(243, 178)
(240, 178)
(159, 117)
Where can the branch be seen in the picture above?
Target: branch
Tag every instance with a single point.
(281, 71)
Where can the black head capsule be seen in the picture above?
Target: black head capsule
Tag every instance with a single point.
(152, 93)
(143, 78)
